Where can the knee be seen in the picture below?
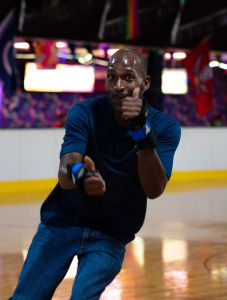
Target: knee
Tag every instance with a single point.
(113, 265)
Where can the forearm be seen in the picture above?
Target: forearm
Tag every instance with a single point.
(64, 180)
(151, 173)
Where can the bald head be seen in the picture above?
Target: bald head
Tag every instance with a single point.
(129, 52)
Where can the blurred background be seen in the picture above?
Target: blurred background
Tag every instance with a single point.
(53, 54)
(75, 39)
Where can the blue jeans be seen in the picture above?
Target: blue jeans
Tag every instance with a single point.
(52, 250)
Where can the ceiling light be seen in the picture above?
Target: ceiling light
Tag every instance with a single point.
(213, 64)
(179, 55)
(81, 60)
(88, 56)
(61, 45)
(167, 55)
(110, 52)
(22, 45)
(223, 66)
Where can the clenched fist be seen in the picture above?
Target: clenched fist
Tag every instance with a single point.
(94, 185)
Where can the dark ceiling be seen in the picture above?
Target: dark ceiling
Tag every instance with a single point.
(79, 20)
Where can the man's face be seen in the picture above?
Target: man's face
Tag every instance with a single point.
(124, 74)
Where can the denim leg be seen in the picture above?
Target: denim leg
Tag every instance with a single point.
(100, 260)
(48, 260)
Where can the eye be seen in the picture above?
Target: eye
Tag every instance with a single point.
(110, 76)
(129, 77)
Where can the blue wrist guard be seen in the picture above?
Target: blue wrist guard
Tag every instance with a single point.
(141, 133)
(77, 173)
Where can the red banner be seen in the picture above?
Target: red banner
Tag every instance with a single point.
(46, 55)
(200, 73)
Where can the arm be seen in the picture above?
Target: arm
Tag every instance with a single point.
(93, 185)
(75, 142)
(152, 175)
(63, 178)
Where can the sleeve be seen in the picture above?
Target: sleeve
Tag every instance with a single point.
(76, 131)
(167, 144)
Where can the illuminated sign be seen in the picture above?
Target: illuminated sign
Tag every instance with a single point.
(174, 81)
(65, 78)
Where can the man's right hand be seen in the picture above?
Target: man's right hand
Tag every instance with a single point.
(93, 185)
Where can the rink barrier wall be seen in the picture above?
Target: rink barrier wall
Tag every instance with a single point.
(29, 158)
(40, 185)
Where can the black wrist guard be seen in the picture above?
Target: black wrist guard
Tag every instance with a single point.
(150, 141)
(80, 175)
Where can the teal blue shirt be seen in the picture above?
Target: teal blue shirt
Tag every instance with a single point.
(91, 130)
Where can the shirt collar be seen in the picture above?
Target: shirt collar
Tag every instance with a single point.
(106, 118)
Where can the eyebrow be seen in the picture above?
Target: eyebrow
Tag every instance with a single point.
(127, 69)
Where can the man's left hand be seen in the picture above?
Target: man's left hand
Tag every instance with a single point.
(131, 106)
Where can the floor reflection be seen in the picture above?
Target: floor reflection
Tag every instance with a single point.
(72, 269)
(153, 269)
(176, 279)
(181, 252)
(113, 291)
(173, 250)
(216, 265)
(138, 250)
(175, 255)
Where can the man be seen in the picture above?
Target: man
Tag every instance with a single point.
(116, 152)
(61, 121)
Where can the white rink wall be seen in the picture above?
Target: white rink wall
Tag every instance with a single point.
(29, 153)
(34, 153)
(201, 149)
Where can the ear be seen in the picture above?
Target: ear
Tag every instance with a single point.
(146, 83)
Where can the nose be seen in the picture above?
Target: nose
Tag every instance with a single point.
(119, 86)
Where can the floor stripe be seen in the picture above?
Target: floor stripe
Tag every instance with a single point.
(206, 175)
(10, 187)
(42, 185)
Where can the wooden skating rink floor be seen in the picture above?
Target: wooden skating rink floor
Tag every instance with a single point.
(180, 253)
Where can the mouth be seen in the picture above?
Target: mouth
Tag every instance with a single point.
(119, 97)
